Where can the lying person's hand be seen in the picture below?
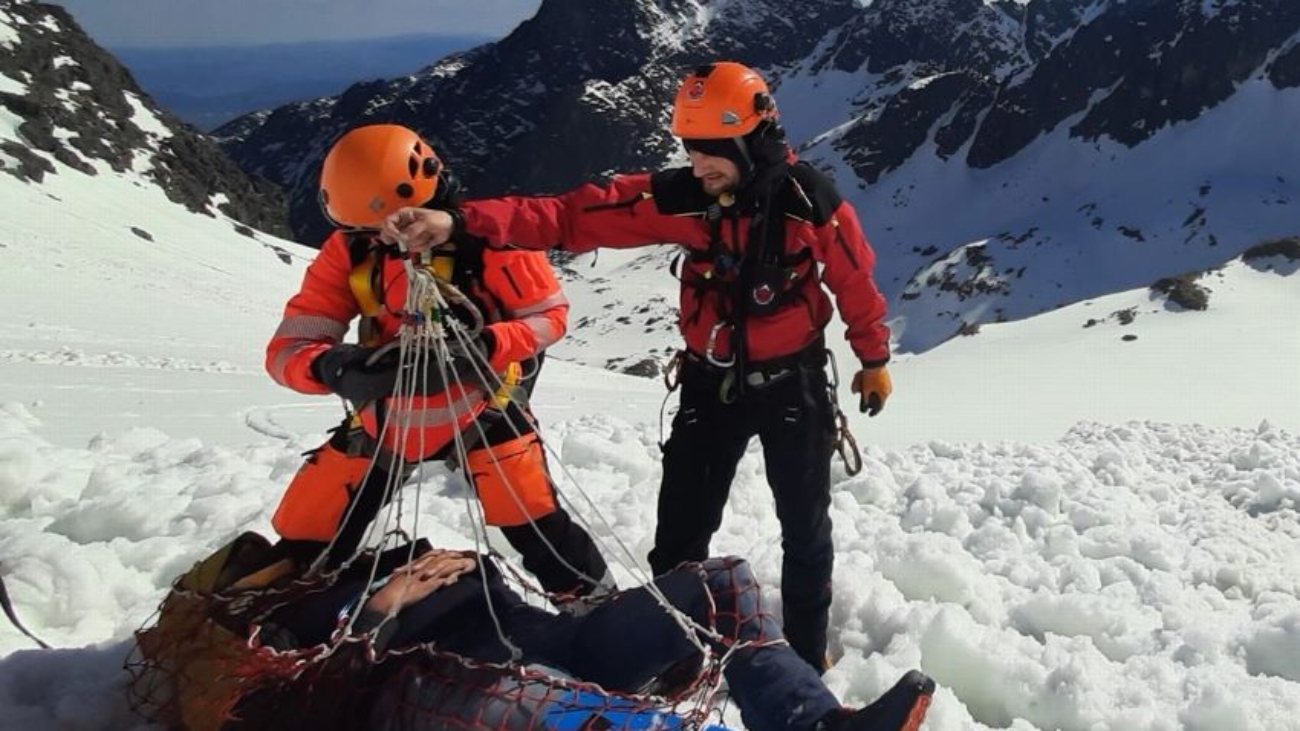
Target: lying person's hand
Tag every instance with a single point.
(418, 579)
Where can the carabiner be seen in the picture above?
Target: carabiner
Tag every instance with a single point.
(845, 444)
(847, 447)
(673, 371)
(713, 344)
(835, 372)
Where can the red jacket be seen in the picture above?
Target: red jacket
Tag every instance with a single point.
(517, 291)
(671, 207)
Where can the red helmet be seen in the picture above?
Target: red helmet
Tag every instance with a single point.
(374, 170)
(723, 99)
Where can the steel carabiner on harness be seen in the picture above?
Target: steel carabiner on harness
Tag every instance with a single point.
(845, 444)
(673, 371)
(713, 345)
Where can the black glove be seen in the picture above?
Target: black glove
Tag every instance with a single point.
(344, 370)
(479, 349)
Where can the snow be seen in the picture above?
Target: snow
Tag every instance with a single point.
(1092, 12)
(923, 82)
(145, 119)
(9, 36)
(807, 99)
(9, 85)
(9, 124)
(1067, 529)
(1234, 163)
(1211, 8)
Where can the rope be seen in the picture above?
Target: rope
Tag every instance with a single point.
(427, 339)
(845, 444)
(13, 616)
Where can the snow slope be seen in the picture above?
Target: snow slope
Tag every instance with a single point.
(1066, 529)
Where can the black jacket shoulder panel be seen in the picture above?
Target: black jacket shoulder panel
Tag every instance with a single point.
(813, 196)
(678, 192)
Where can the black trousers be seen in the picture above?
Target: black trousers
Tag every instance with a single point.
(794, 421)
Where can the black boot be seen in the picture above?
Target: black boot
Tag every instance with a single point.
(901, 708)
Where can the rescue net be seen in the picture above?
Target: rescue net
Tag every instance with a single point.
(210, 659)
(207, 658)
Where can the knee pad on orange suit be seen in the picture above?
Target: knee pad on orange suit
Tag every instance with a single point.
(315, 502)
(511, 481)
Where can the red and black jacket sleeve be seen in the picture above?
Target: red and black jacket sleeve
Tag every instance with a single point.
(848, 261)
(619, 215)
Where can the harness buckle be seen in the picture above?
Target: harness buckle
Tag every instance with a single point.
(713, 344)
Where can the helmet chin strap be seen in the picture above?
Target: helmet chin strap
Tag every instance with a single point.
(749, 170)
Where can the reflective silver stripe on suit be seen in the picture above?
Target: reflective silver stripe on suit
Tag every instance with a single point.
(551, 302)
(306, 330)
(311, 327)
(418, 418)
(543, 330)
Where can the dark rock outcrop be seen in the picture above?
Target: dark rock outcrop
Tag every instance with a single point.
(1134, 69)
(81, 107)
(581, 89)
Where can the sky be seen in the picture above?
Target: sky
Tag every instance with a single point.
(1058, 545)
(158, 23)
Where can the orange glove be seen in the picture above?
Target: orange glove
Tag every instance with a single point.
(874, 386)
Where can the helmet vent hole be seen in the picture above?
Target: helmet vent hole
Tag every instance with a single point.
(404, 190)
(429, 167)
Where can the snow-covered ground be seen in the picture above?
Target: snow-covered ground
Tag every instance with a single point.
(1067, 529)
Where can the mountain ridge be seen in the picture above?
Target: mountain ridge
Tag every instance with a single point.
(66, 99)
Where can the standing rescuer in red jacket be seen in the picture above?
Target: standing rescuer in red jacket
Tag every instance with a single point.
(368, 173)
(761, 232)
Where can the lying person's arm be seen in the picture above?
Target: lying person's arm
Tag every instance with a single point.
(316, 617)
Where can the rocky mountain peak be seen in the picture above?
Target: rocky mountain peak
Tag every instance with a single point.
(574, 92)
(71, 101)
(1007, 156)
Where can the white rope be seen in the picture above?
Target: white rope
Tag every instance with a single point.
(423, 342)
(484, 372)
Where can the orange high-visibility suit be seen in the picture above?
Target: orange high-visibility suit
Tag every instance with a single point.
(525, 310)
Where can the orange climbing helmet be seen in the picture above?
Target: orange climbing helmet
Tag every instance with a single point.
(723, 99)
(374, 170)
